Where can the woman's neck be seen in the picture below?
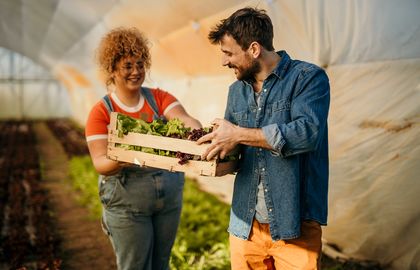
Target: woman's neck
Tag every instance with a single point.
(129, 98)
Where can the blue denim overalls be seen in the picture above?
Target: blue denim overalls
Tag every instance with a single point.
(141, 211)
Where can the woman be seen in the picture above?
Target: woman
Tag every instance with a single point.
(141, 206)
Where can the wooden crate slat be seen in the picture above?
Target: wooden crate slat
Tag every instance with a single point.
(159, 142)
(207, 168)
(163, 162)
(226, 167)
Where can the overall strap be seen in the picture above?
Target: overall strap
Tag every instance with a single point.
(108, 104)
(147, 93)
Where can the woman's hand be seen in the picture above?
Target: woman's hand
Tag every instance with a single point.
(180, 113)
(103, 165)
(122, 164)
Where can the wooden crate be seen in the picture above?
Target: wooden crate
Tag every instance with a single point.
(207, 168)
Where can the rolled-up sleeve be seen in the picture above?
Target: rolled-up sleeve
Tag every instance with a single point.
(274, 138)
(309, 112)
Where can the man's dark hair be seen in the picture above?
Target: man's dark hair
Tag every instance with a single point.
(245, 26)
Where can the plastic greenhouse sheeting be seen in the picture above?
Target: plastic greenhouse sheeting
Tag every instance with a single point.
(370, 50)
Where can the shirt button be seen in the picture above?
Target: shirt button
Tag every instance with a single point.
(265, 90)
(259, 109)
(265, 190)
(103, 181)
(263, 169)
(271, 209)
(250, 210)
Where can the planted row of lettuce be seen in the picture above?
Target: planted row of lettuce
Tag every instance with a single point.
(28, 239)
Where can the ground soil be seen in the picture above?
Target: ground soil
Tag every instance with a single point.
(83, 244)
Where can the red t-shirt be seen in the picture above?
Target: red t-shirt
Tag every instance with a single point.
(98, 120)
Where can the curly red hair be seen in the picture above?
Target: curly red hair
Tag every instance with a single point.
(119, 43)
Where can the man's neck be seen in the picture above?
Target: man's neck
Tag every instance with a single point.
(269, 61)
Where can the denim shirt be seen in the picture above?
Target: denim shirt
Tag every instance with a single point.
(293, 115)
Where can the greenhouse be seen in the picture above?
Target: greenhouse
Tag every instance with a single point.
(50, 211)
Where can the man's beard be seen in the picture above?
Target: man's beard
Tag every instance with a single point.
(249, 73)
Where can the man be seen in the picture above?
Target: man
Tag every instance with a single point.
(277, 111)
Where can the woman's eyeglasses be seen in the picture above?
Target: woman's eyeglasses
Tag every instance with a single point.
(129, 68)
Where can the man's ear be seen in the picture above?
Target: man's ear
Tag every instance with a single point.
(255, 49)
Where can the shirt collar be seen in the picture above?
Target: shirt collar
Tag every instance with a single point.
(126, 108)
(281, 68)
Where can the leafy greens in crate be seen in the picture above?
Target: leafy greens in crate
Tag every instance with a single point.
(173, 128)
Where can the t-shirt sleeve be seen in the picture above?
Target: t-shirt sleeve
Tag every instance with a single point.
(97, 123)
(165, 101)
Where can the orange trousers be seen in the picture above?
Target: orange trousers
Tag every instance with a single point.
(261, 253)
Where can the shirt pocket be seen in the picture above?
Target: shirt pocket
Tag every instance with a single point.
(241, 118)
(279, 111)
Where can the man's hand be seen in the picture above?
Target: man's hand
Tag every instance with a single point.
(223, 139)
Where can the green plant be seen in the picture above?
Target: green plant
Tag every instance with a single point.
(84, 179)
(202, 239)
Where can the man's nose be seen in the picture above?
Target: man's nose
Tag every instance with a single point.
(225, 61)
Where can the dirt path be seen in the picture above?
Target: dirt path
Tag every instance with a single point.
(84, 245)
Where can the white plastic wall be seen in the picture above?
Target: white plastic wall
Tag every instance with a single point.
(370, 50)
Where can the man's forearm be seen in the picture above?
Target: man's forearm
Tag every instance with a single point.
(253, 137)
